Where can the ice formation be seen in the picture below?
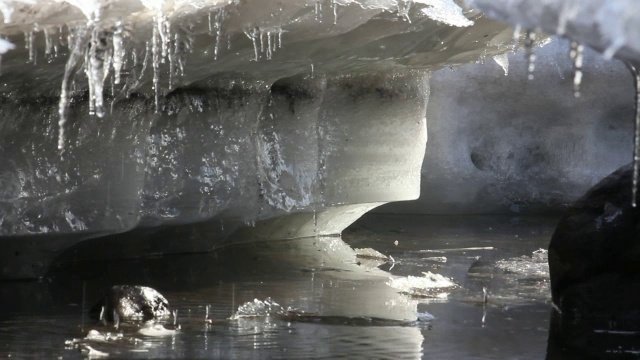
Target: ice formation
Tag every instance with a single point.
(288, 117)
(259, 308)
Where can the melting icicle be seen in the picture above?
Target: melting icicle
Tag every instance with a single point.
(531, 57)
(576, 55)
(156, 66)
(334, 5)
(268, 45)
(48, 45)
(218, 27)
(636, 139)
(97, 63)
(261, 41)
(77, 47)
(503, 61)
(279, 37)
(29, 39)
(118, 52)
(252, 35)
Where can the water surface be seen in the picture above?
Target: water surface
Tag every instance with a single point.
(332, 304)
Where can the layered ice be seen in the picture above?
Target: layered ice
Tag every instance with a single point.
(610, 26)
(289, 117)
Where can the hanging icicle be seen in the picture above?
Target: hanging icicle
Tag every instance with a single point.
(576, 55)
(529, 53)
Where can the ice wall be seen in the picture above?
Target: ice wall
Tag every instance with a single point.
(541, 147)
(124, 114)
(293, 116)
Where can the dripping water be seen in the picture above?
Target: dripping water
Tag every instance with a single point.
(576, 55)
(531, 57)
(636, 139)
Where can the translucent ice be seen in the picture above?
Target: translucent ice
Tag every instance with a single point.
(430, 285)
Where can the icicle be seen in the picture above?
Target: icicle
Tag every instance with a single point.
(252, 35)
(268, 45)
(118, 52)
(156, 66)
(261, 42)
(48, 45)
(275, 41)
(503, 61)
(210, 27)
(97, 63)
(279, 37)
(636, 139)
(531, 57)
(29, 39)
(334, 4)
(313, 73)
(164, 31)
(218, 27)
(576, 55)
(77, 49)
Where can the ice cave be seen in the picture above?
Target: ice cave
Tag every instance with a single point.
(319, 178)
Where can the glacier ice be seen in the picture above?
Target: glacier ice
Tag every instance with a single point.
(279, 116)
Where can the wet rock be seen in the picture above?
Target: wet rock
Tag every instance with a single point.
(594, 254)
(132, 303)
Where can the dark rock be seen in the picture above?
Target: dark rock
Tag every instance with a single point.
(132, 303)
(594, 254)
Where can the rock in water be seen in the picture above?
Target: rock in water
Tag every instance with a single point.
(594, 254)
(132, 303)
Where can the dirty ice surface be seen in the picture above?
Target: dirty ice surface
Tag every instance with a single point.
(309, 298)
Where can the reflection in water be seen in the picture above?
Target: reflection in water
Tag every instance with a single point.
(306, 298)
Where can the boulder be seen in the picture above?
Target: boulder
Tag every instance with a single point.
(594, 254)
(132, 303)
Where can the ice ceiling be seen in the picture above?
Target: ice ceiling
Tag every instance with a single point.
(293, 116)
